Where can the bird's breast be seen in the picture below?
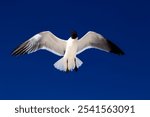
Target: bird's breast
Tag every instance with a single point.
(71, 49)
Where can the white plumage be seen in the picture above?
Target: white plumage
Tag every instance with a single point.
(67, 48)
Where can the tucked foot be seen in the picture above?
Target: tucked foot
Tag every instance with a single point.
(67, 70)
(76, 69)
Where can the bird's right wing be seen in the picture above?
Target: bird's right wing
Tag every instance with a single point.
(95, 40)
(44, 40)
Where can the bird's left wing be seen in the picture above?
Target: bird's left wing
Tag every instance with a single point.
(95, 40)
(44, 40)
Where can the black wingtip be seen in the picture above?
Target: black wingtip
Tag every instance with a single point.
(118, 52)
(115, 49)
(17, 54)
(13, 53)
(20, 50)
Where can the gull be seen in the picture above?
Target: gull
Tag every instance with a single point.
(68, 49)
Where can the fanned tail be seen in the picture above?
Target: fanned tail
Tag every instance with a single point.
(68, 65)
(61, 65)
(78, 62)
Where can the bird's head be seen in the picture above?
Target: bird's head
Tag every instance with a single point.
(74, 35)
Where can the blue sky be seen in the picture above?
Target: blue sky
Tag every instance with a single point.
(102, 76)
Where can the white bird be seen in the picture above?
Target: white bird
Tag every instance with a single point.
(67, 48)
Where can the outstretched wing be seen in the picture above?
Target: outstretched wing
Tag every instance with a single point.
(95, 40)
(44, 40)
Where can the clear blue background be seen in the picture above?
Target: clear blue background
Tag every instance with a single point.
(102, 76)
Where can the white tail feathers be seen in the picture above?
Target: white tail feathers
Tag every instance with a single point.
(67, 64)
(60, 65)
(78, 62)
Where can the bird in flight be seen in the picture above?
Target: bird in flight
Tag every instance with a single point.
(68, 49)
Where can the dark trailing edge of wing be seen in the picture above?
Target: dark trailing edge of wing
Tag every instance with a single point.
(115, 49)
